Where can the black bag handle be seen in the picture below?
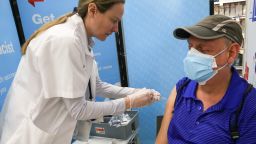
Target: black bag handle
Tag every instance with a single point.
(234, 123)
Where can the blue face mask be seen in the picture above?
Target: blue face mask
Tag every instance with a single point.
(199, 66)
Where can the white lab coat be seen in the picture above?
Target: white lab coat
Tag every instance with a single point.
(57, 65)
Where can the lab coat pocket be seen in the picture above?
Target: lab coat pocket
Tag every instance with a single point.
(29, 133)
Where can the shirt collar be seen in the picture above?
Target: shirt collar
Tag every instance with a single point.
(232, 96)
(91, 43)
(234, 92)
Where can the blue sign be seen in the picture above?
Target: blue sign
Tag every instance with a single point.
(154, 56)
(9, 49)
(254, 11)
(36, 14)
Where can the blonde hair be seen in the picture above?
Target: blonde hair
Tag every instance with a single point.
(102, 5)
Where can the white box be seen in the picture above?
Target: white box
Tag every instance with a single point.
(221, 10)
(239, 9)
(226, 10)
(232, 10)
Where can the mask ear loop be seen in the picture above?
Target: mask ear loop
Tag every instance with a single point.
(224, 64)
(215, 72)
(214, 65)
(221, 67)
(220, 52)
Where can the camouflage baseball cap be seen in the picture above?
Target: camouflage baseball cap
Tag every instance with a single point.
(212, 27)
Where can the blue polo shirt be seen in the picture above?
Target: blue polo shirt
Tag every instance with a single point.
(191, 125)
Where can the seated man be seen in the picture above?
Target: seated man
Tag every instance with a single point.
(212, 104)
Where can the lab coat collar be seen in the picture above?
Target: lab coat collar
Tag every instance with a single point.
(78, 21)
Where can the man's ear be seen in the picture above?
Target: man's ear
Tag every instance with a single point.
(233, 52)
(92, 9)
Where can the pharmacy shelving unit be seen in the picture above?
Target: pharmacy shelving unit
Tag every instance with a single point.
(236, 9)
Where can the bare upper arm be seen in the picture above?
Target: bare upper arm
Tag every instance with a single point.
(162, 135)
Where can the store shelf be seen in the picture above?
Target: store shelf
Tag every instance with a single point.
(238, 17)
(235, 9)
(228, 1)
(239, 67)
